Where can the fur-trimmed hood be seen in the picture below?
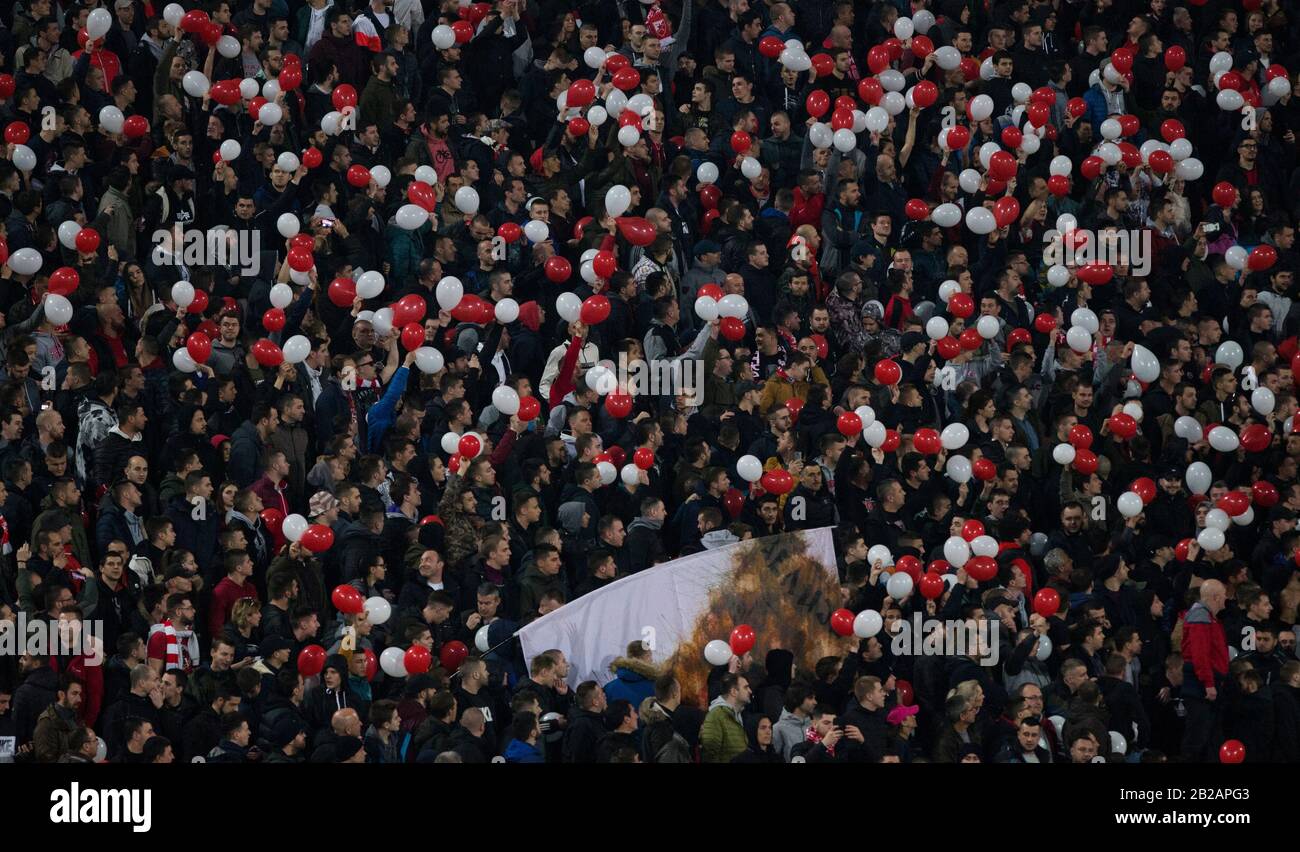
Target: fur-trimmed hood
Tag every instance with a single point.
(633, 666)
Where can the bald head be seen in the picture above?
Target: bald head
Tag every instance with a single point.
(733, 283)
(1213, 595)
(346, 723)
(473, 721)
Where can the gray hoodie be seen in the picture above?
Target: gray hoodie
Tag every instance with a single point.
(789, 731)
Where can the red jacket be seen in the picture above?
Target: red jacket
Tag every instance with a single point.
(1205, 648)
(224, 595)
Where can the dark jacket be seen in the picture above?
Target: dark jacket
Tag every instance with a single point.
(583, 735)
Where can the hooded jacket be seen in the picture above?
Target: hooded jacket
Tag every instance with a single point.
(634, 680)
(644, 544)
(534, 584)
(722, 736)
(789, 731)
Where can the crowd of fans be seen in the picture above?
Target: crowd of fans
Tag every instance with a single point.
(238, 375)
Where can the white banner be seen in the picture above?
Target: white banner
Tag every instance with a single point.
(784, 586)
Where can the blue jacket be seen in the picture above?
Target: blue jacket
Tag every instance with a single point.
(1097, 112)
(383, 413)
(518, 751)
(634, 681)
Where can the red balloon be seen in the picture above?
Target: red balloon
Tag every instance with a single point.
(558, 269)
(529, 408)
(267, 353)
(345, 597)
(1264, 494)
(870, 90)
(770, 47)
(408, 309)
(1002, 165)
(644, 458)
(1045, 323)
(741, 142)
(1175, 58)
(1234, 503)
(452, 655)
(135, 126)
(1161, 162)
(1171, 129)
(342, 292)
(616, 62)
(888, 372)
(87, 241)
(925, 94)
(595, 309)
(469, 445)
(604, 264)
(794, 405)
(982, 568)
(619, 405)
(958, 137)
(302, 241)
(226, 92)
(1038, 113)
(1047, 602)
(580, 93)
(312, 158)
(1006, 210)
(1255, 438)
(817, 103)
(972, 529)
(358, 175)
(822, 65)
(916, 209)
(290, 78)
(1261, 257)
(194, 21)
(842, 622)
(905, 693)
(1224, 194)
(970, 339)
(713, 291)
(948, 348)
(412, 336)
(1122, 60)
(1091, 167)
(274, 520)
(417, 659)
(1080, 436)
(710, 195)
(1058, 185)
(1018, 335)
(626, 79)
(1123, 426)
(892, 440)
(319, 538)
(199, 345)
(878, 58)
(931, 586)
(1085, 462)
(301, 260)
(961, 305)
(637, 230)
(1144, 487)
(921, 48)
(311, 660)
(617, 456)
(343, 96)
(1129, 124)
(421, 195)
(64, 281)
(742, 639)
(777, 481)
(1232, 751)
(984, 470)
(1012, 137)
(579, 127)
(849, 424)
(927, 442)
(732, 328)
(7, 86)
(372, 662)
(909, 565)
(1183, 549)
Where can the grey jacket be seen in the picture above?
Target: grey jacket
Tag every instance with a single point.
(789, 731)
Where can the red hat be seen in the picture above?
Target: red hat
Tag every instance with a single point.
(530, 314)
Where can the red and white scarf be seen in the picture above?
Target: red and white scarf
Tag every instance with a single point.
(178, 656)
(813, 737)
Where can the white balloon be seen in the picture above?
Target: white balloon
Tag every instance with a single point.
(1224, 439)
(707, 173)
(1189, 169)
(1180, 149)
(750, 168)
(383, 321)
(444, 37)
(1218, 519)
(617, 200)
(68, 234)
(505, 400)
(717, 653)
(891, 80)
(1085, 318)
(1145, 364)
(507, 311)
(228, 46)
(984, 545)
(946, 215)
(1229, 100)
(903, 28)
(1221, 61)
(987, 71)
(293, 527)
(183, 294)
(936, 328)
(271, 89)
(1060, 165)
(111, 119)
(588, 272)
(749, 468)
(296, 349)
(880, 553)
(195, 84)
(867, 624)
(866, 414)
(1246, 518)
(410, 216)
(58, 309)
(899, 585)
(641, 104)
(706, 308)
(281, 295)
(1078, 339)
(948, 289)
(1210, 539)
(986, 152)
(958, 469)
(428, 360)
(481, 641)
(615, 103)
(1109, 153)
(630, 474)
(300, 278)
(988, 327)
(568, 306)
(628, 136)
(1198, 477)
(424, 174)
(537, 231)
(956, 551)
(1030, 143)
(183, 361)
(467, 200)
(1111, 129)
(248, 88)
(947, 57)
(1129, 504)
(1189, 429)
(1134, 410)
(1235, 257)
(270, 114)
(608, 473)
(1262, 400)
(230, 150)
(969, 181)
(370, 284)
(449, 292)
(172, 13)
(980, 107)
(1058, 275)
(594, 57)
(393, 659)
(980, 220)
(379, 609)
(874, 434)
(860, 118)
(1229, 353)
(922, 20)
(1063, 454)
(954, 436)
(329, 122)
(1020, 92)
(844, 140)
(1043, 650)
